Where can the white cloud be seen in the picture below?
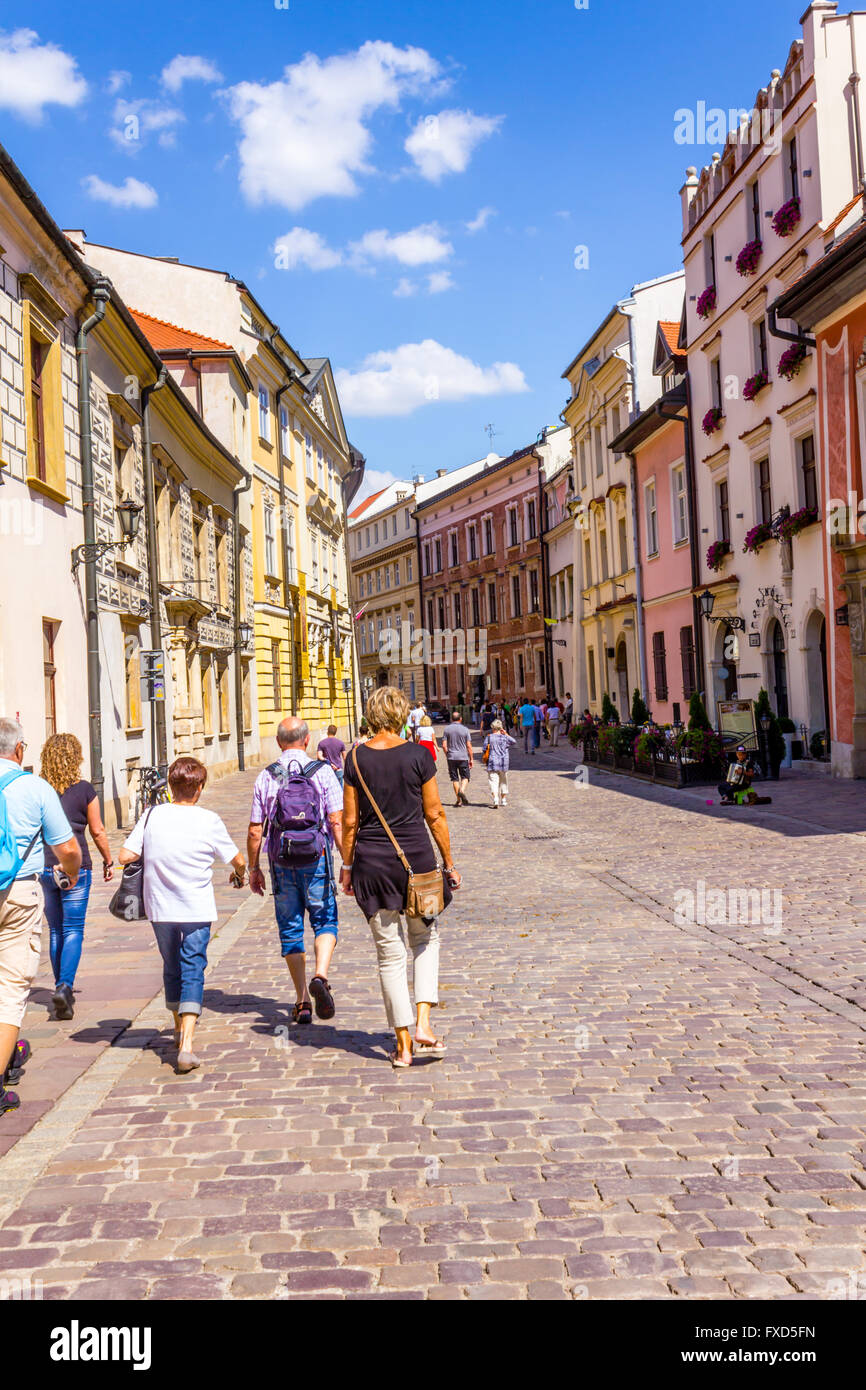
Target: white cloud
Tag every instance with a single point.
(136, 120)
(405, 289)
(443, 144)
(132, 193)
(420, 246)
(480, 222)
(439, 282)
(303, 247)
(34, 75)
(186, 68)
(375, 480)
(306, 136)
(398, 382)
(117, 80)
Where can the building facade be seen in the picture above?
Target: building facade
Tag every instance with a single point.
(611, 380)
(383, 552)
(557, 527)
(753, 222)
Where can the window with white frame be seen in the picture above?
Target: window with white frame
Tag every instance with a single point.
(289, 523)
(454, 546)
(264, 414)
(409, 568)
(285, 432)
(513, 529)
(652, 520)
(488, 535)
(679, 502)
(310, 461)
(407, 519)
(314, 552)
(270, 540)
(320, 464)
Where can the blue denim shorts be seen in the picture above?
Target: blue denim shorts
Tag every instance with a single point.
(296, 891)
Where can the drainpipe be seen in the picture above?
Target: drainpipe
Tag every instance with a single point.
(153, 557)
(799, 337)
(289, 600)
(638, 585)
(547, 631)
(694, 554)
(243, 486)
(101, 296)
(854, 79)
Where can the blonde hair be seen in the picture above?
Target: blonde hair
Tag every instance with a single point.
(387, 710)
(61, 761)
(497, 725)
(426, 722)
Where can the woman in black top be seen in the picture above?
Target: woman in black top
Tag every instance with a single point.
(401, 778)
(66, 908)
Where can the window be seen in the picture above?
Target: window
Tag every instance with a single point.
(387, 576)
(394, 524)
(602, 550)
(716, 382)
(513, 534)
(276, 675)
(793, 169)
(292, 575)
(264, 414)
(623, 545)
(488, 535)
(376, 533)
(49, 668)
(516, 606)
(247, 681)
(599, 451)
(680, 504)
(207, 696)
(755, 211)
(533, 591)
(458, 615)
(530, 520)
(497, 674)
(326, 570)
(132, 676)
(428, 565)
(320, 466)
(409, 569)
(308, 456)
(442, 623)
(455, 551)
(37, 416)
(582, 454)
(592, 686)
(438, 547)
(408, 519)
(762, 363)
(765, 501)
(521, 674)
(710, 253)
(378, 581)
(396, 576)
(199, 551)
(614, 422)
(222, 684)
(429, 615)
(270, 541)
(473, 543)
(222, 567)
(476, 609)
(285, 443)
(660, 668)
(652, 521)
(587, 563)
(809, 471)
(491, 603)
(724, 511)
(687, 654)
(363, 639)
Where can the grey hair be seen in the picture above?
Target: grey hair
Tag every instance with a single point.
(497, 725)
(288, 738)
(11, 734)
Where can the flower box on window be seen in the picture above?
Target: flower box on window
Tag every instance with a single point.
(717, 554)
(792, 360)
(755, 385)
(758, 536)
(712, 421)
(706, 302)
(788, 218)
(749, 258)
(797, 521)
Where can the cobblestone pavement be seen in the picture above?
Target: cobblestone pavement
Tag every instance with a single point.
(634, 1105)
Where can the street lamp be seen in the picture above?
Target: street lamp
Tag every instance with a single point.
(707, 602)
(129, 515)
(245, 635)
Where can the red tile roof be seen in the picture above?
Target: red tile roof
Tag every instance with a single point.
(167, 337)
(671, 333)
(366, 503)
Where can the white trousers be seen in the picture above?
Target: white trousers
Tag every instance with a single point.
(387, 929)
(498, 786)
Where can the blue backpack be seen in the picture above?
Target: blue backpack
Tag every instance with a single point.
(295, 832)
(11, 862)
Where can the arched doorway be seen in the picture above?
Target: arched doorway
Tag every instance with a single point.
(622, 681)
(726, 655)
(779, 667)
(815, 641)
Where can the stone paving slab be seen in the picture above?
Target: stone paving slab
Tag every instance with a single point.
(630, 1108)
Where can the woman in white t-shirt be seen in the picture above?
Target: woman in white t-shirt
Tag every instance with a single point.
(180, 843)
(427, 735)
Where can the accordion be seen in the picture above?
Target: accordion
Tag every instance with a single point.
(737, 774)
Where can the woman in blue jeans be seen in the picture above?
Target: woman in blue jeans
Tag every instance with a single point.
(66, 908)
(180, 843)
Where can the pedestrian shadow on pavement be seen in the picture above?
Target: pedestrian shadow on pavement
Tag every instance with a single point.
(273, 1015)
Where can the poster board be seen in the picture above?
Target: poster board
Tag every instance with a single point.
(737, 720)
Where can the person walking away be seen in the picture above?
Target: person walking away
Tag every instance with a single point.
(30, 815)
(180, 843)
(457, 743)
(568, 711)
(66, 908)
(332, 750)
(298, 806)
(554, 715)
(497, 746)
(415, 719)
(488, 715)
(526, 715)
(401, 780)
(427, 736)
(363, 733)
(536, 740)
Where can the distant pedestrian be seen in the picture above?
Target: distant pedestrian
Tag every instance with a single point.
(66, 908)
(180, 842)
(526, 715)
(415, 719)
(554, 715)
(497, 746)
(487, 717)
(363, 733)
(30, 815)
(568, 711)
(394, 785)
(457, 743)
(332, 750)
(427, 735)
(298, 813)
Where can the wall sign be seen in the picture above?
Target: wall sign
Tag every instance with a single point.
(842, 616)
(754, 639)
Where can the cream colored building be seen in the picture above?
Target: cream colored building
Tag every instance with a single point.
(383, 551)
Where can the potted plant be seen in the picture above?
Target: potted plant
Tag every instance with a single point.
(758, 536)
(796, 522)
(639, 712)
(609, 712)
(787, 728)
(788, 218)
(648, 743)
(706, 302)
(717, 554)
(749, 257)
(792, 360)
(712, 421)
(774, 740)
(755, 385)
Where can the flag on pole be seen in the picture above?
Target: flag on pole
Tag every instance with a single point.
(361, 611)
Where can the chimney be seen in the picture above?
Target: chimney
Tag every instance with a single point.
(441, 472)
(78, 239)
(687, 194)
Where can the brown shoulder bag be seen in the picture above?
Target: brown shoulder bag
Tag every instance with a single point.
(425, 893)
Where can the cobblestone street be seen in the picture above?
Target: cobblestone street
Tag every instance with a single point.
(632, 1105)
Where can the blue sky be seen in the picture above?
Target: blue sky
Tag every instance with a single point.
(401, 183)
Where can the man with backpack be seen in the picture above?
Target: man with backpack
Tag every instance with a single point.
(298, 814)
(31, 816)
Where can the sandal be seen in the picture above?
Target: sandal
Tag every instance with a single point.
(397, 1063)
(18, 1061)
(437, 1048)
(302, 1013)
(321, 992)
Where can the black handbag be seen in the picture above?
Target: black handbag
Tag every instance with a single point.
(128, 901)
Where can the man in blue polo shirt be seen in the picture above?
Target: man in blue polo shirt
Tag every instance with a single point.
(34, 817)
